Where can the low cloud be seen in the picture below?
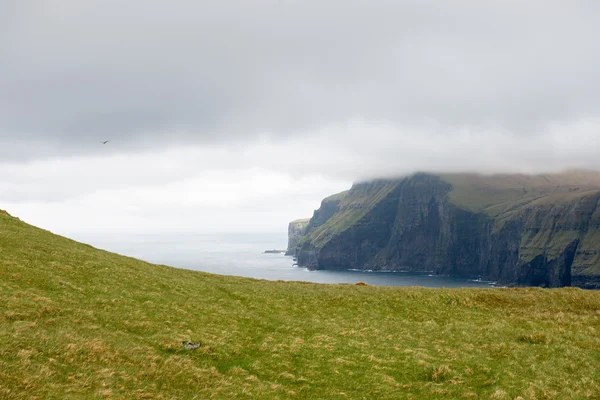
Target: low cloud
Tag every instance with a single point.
(162, 74)
(280, 102)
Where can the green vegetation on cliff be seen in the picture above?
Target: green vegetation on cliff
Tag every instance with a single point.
(347, 207)
(494, 194)
(81, 323)
(524, 229)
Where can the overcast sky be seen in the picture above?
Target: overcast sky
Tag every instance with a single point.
(241, 115)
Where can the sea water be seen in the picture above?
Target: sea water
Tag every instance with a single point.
(243, 255)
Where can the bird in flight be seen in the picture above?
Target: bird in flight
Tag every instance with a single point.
(106, 141)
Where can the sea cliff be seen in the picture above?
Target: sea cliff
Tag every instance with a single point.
(540, 230)
(296, 230)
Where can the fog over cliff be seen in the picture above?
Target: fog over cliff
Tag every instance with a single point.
(242, 115)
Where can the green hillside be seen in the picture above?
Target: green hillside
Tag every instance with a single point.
(494, 194)
(81, 323)
(350, 206)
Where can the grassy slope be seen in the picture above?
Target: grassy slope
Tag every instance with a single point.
(354, 204)
(80, 323)
(495, 194)
(304, 221)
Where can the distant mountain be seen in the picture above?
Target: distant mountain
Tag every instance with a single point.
(541, 230)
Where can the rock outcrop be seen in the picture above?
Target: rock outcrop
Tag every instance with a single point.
(296, 230)
(541, 230)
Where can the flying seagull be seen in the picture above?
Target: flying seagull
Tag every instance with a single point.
(106, 141)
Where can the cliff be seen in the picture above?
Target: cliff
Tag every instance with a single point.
(296, 230)
(541, 230)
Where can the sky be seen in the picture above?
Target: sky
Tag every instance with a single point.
(241, 115)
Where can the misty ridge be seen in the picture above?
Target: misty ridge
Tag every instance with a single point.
(531, 230)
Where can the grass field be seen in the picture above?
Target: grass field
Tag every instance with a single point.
(80, 323)
(494, 194)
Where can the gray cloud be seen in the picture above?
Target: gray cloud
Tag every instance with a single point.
(73, 73)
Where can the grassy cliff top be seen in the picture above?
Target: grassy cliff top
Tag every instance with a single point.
(494, 193)
(301, 221)
(353, 204)
(81, 323)
(337, 197)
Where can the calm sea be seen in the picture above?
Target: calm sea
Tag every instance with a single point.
(243, 255)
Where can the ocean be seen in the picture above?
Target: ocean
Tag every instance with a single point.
(243, 255)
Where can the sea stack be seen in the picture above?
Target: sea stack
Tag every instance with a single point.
(296, 230)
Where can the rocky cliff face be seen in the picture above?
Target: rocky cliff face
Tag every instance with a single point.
(296, 230)
(516, 229)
